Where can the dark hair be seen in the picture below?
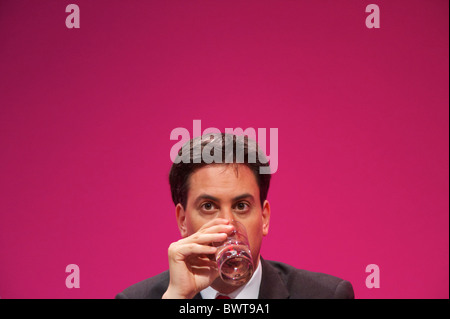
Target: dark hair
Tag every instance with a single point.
(223, 148)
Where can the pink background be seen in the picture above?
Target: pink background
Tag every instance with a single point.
(86, 116)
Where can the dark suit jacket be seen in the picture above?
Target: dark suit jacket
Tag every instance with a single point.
(279, 281)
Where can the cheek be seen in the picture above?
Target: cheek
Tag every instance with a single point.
(193, 228)
(195, 220)
(255, 247)
(193, 223)
(255, 235)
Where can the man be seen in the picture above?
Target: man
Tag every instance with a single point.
(216, 179)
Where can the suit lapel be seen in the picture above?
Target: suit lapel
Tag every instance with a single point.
(198, 296)
(272, 286)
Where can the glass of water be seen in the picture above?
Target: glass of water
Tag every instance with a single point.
(233, 257)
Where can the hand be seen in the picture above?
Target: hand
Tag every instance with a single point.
(191, 270)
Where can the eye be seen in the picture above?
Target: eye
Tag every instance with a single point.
(242, 206)
(208, 206)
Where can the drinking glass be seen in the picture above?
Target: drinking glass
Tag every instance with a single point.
(233, 257)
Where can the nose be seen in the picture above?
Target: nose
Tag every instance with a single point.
(227, 213)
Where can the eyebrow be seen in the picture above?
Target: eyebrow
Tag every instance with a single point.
(215, 199)
(243, 196)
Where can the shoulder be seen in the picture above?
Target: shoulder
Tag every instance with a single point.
(151, 288)
(302, 283)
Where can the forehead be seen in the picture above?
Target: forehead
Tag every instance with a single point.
(223, 181)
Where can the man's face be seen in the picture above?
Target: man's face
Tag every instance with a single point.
(219, 191)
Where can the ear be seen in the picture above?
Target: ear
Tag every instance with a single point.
(266, 217)
(181, 219)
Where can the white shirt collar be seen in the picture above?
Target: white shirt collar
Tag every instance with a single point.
(248, 291)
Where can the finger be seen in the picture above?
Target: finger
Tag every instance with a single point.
(198, 261)
(200, 238)
(217, 229)
(215, 221)
(193, 248)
